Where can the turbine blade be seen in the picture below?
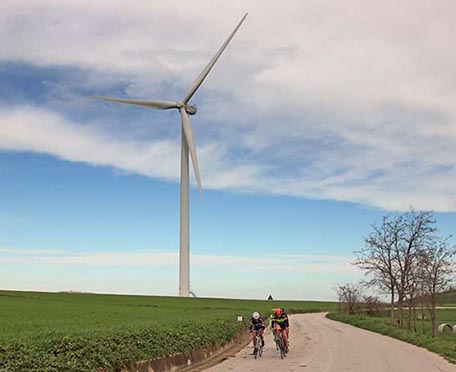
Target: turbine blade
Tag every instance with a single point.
(199, 80)
(188, 131)
(161, 105)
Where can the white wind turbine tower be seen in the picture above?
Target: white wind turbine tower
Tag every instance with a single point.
(188, 145)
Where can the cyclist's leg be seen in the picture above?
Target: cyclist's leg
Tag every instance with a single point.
(287, 330)
(261, 334)
(253, 333)
(277, 331)
(285, 336)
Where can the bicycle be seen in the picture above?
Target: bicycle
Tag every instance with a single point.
(280, 343)
(258, 348)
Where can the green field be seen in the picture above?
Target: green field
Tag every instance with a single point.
(448, 298)
(85, 332)
(443, 344)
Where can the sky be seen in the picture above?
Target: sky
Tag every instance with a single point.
(319, 118)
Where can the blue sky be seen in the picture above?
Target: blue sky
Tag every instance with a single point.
(319, 119)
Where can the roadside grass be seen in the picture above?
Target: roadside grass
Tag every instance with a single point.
(47, 332)
(443, 344)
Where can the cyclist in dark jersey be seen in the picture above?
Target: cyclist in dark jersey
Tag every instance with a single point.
(256, 326)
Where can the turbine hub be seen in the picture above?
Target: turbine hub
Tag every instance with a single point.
(191, 110)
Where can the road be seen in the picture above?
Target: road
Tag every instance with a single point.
(323, 345)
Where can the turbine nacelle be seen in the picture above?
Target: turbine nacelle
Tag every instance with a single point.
(191, 110)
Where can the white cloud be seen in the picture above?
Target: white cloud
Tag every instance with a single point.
(27, 252)
(348, 101)
(155, 258)
(37, 130)
(155, 272)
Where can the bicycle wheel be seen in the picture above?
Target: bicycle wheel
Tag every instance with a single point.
(260, 346)
(256, 348)
(276, 341)
(280, 344)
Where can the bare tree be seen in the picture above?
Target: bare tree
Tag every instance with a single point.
(421, 296)
(377, 259)
(437, 270)
(349, 297)
(417, 229)
(372, 304)
(390, 257)
(411, 302)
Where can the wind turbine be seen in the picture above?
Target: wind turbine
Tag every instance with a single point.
(187, 146)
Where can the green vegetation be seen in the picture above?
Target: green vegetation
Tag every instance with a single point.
(443, 344)
(85, 332)
(448, 298)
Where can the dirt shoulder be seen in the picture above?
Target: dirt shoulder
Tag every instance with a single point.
(225, 354)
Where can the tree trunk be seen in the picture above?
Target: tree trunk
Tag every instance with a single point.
(422, 318)
(409, 320)
(392, 306)
(400, 305)
(433, 319)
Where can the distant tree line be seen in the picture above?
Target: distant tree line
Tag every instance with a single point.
(404, 257)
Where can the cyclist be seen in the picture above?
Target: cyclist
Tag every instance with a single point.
(271, 317)
(279, 322)
(256, 326)
(287, 324)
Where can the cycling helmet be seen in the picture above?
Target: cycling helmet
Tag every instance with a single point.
(255, 315)
(278, 311)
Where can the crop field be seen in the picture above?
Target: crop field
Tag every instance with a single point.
(448, 298)
(445, 316)
(86, 332)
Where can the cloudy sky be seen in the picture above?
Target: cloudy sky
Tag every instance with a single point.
(320, 117)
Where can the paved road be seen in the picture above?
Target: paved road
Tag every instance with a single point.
(320, 344)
